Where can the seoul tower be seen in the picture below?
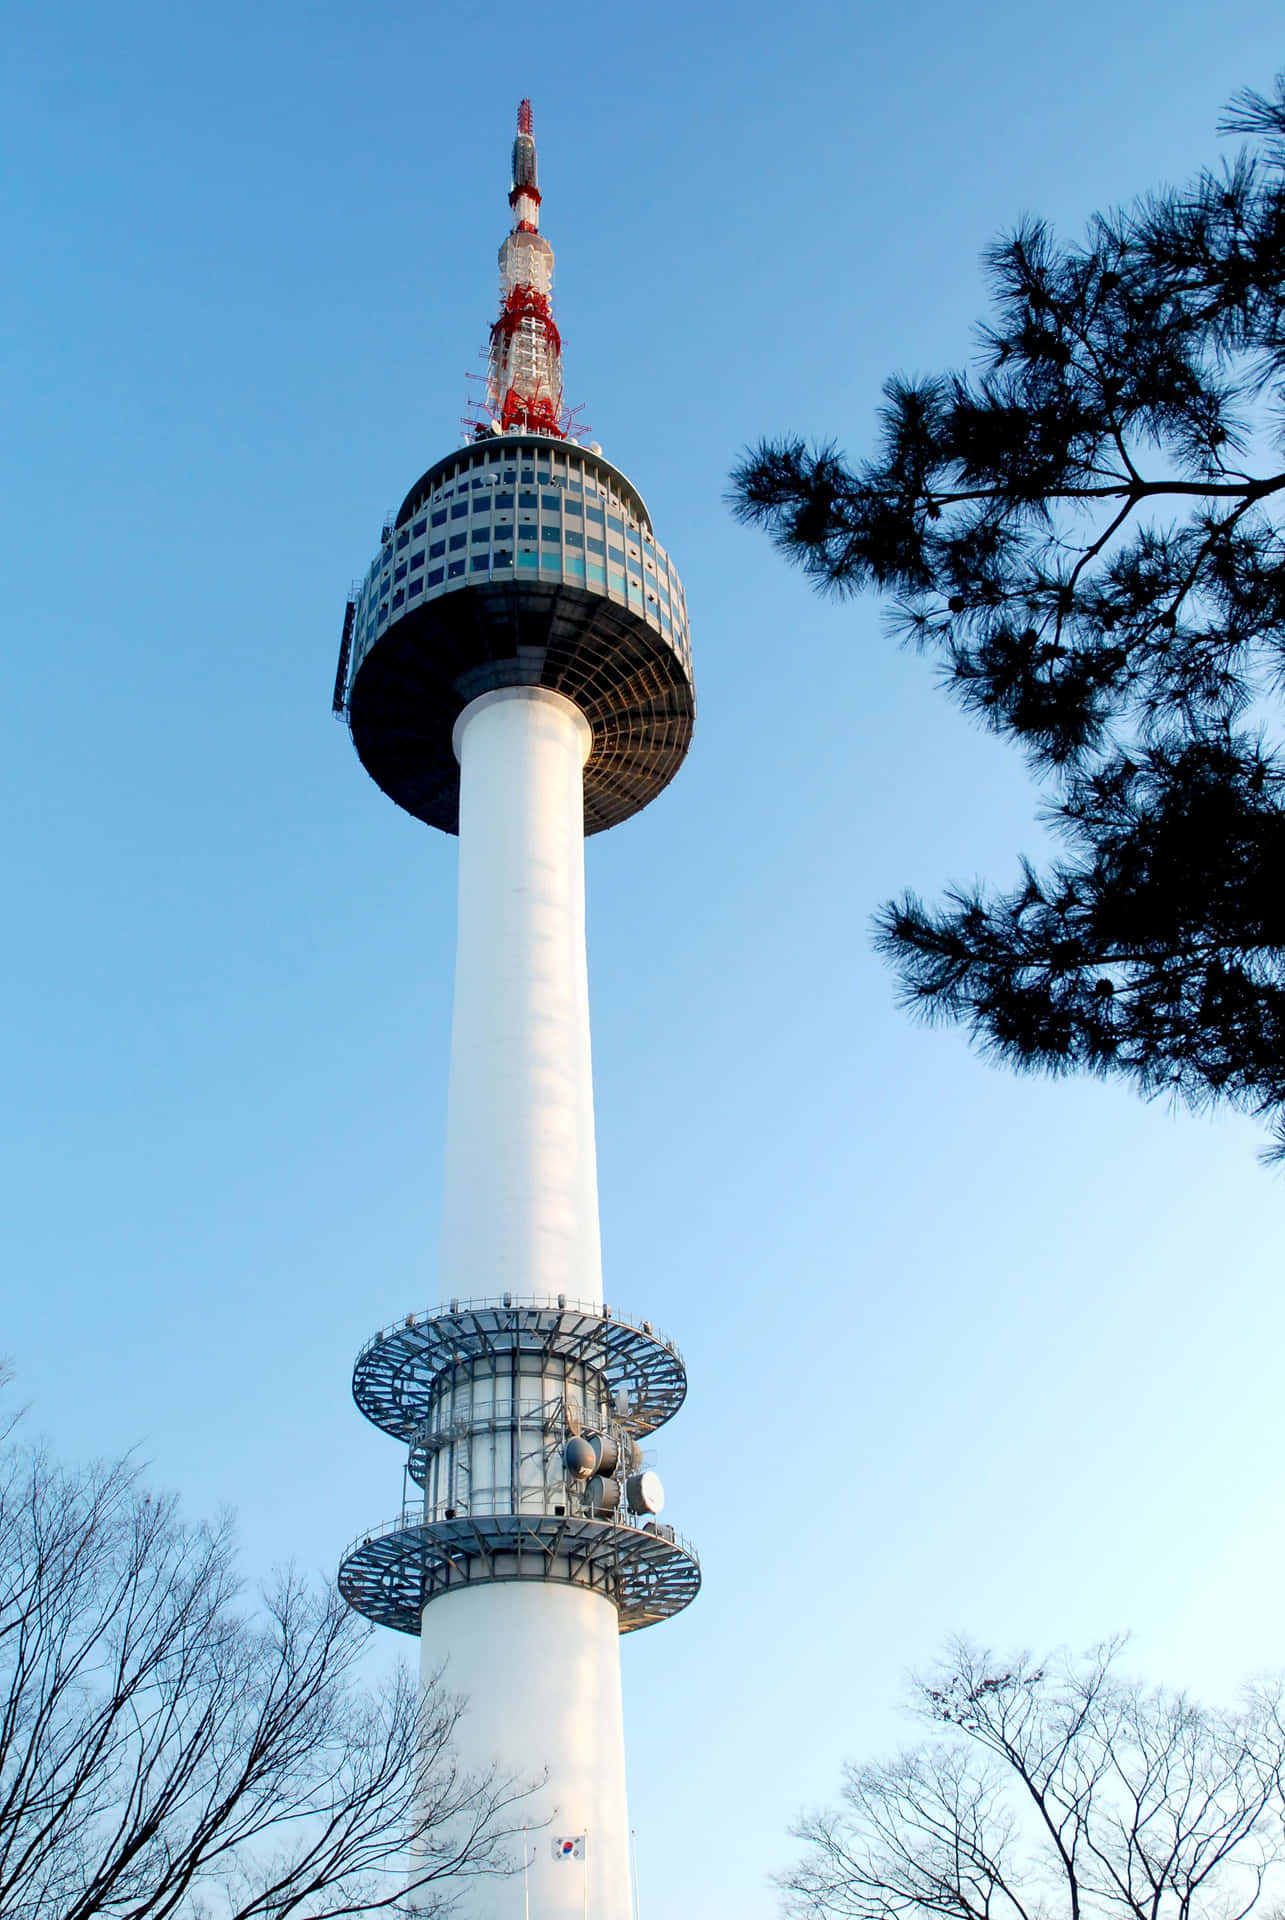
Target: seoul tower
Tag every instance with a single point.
(515, 668)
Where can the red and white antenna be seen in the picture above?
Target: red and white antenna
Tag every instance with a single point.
(524, 381)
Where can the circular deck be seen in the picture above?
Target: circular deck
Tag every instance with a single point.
(391, 1575)
(394, 1374)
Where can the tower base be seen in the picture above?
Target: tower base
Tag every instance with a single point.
(539, 1670)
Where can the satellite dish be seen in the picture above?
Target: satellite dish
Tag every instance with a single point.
(644, 1492)
(603, 1495)
(577, 1457)
(606, 1454)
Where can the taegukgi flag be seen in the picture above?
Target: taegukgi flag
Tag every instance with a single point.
(569, 1848)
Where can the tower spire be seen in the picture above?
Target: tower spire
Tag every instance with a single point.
(524, 384)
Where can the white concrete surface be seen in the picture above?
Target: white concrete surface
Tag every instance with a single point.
(520, 1203)
(539, 1665)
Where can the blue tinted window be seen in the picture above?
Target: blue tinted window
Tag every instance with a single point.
(616, 581)
(481, 536)
(398, 597)
(551, 533)
(435, 577)
(454, 569)
(437, 549)
(596, 546)
(528, 500)
(617, 526)
(574, 539)
(459, 510)
(616, 553)
(573, 506)
(403, 540)
(503, 556)
(504, 499)
(457, 541)
(595, 514)
(417, 560)
(439, 519)
(597, 574)
(418, 527)
(481, 561)
(401, 572)
(550, 502)
(416, 586)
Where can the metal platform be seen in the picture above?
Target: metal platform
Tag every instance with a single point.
(391, 1575)
(394, 1374)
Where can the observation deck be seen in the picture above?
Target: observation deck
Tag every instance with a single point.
(520, 560)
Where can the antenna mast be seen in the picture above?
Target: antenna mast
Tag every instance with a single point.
(524, 382)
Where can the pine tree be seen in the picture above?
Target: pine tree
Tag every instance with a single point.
(1086, 528)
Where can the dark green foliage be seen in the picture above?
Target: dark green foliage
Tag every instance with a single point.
(1087, 532)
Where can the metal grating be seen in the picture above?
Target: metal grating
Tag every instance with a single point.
(392, 1574)
(394, 1374)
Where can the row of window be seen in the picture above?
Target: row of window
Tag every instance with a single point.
(503, 503)
(503, 557)
(566, 475)
(482, 533)
(594, 571)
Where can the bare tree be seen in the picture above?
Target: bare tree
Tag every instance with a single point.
(168, 1750)
(1055, 1788)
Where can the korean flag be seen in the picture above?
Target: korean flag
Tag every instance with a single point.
(569, 1848)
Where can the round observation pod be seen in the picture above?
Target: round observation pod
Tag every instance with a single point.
(519, 561)
(644, 1492)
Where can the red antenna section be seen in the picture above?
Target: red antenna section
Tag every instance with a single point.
(524, 381)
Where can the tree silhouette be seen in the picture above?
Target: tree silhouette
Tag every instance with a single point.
(169, 1753)
(1055, 1787)
(1086, 532)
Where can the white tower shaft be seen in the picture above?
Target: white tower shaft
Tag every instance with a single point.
(520, 1205)
(538, 1662)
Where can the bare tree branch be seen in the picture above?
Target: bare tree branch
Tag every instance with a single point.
(169, 1751)
(1055, 1787)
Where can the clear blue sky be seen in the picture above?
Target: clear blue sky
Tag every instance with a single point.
(965, 1351)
